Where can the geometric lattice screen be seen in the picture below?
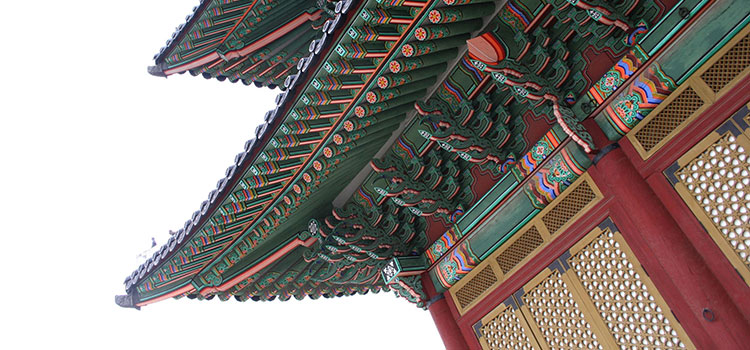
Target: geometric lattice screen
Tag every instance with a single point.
(621, 296)
(729, 66)
(506, 330)
(476, 286)
(667, 121)
(595, 296)
(555, 314)
(713, 179)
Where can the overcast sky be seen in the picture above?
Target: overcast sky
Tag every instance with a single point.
(97, 157)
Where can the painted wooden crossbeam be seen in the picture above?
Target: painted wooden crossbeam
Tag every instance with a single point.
(460, 13)
(265, 180)
(445, 30)
(274, 167)
(316, 112)
(384, 32)
(351, 66)
(355, 147)
(330, 82)
(389, 16)
(359, 123)
(305, 126)
(419, 48)
(362, 50)
(463, 2)
(319, 98)
(297, 140)
(250, 194)
(397, 3)
(366, 110)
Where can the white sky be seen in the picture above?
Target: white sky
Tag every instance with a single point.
(97, 156)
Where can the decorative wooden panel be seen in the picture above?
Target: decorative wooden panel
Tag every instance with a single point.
(729, 66)
(556, 314)
(478, 284)
(568, 207)
(594, 296)
(713, 179)
(687, 102)
(519, 249)
(672, 116)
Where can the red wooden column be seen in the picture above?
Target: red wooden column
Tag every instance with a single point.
(696, 297)
(444, 321)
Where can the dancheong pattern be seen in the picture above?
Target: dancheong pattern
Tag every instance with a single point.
(616, 76)
(640, 98)
(352, 71)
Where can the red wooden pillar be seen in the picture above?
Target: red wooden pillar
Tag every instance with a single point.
(447, 326)
(443, 318)
(673, 263)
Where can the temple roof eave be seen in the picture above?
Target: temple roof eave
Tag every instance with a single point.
(253, 148)
(219, 37)
(181, 30)
(157, 70)
(448, 135)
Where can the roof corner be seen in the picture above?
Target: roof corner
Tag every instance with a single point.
(126, 301)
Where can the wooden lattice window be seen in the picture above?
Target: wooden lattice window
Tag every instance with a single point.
(729, 66)
(594, 296)
(617, 290)
(714, 181)
(559, 316)
(666, 121)
(476, 286)
(519, 249)
(568, 207)
(506, 330)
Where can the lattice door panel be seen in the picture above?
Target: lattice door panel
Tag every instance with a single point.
(713, 179)
(622, 295)
(595, 296)
(555, 315)
(505, 328)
